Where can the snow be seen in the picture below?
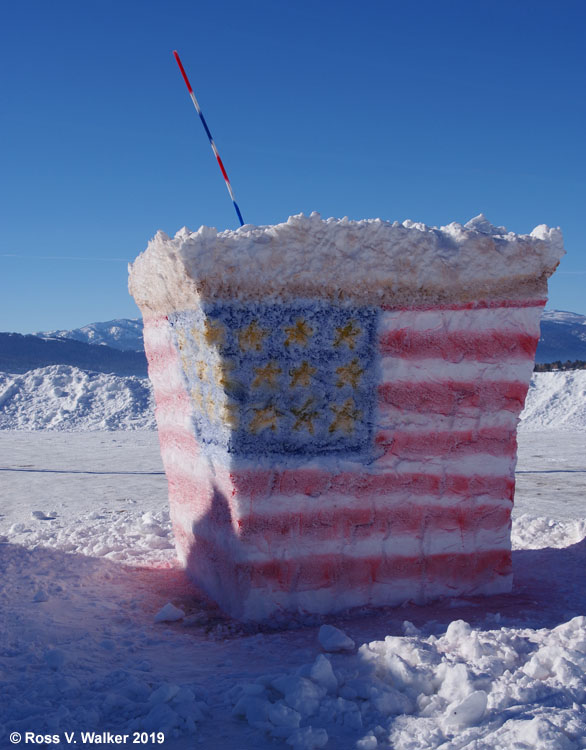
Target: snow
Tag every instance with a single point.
(123, 333)
(334, 639)
(556, 400)
(88, 561)
(66, 398)
(60, 397)
(411, 262)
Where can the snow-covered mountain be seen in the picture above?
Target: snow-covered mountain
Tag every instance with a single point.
(19, 354)
(124, 334)
(563, 335)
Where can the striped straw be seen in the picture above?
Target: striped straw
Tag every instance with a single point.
(212, 144)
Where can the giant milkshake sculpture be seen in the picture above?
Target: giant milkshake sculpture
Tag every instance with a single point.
(337, 405)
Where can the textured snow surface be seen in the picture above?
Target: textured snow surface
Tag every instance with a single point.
(123, 333)
(87, 560)
(61, 397)
(556, 400)
(310, 256)
(66, 398)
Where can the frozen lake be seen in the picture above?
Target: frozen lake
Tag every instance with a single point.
(75, 470)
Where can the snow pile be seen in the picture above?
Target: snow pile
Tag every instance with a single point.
(60, 397)
(115, 535)
(556, 400)
(497, 688)
(535, 532)
(67, 398)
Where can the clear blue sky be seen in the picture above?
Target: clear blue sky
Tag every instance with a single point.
(433, 110)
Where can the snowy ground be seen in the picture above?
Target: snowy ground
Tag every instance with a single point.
(87, 562)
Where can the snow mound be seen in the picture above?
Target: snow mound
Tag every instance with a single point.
(60, 397)
(467, 687)
(556, 400)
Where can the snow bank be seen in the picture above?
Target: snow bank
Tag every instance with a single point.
(498, 688)
(66, 398)
(60, 397)
(556, 400)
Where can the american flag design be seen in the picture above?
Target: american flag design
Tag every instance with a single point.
(324, 456)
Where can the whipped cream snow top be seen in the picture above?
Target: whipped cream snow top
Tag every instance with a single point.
(364, 262)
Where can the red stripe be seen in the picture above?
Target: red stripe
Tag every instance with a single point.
(172, 437)
(476, 305)
(489, 346)
(494, 441)
(183, 73)
(459, 571)
(177, 401)
(360, 523)
(449, 397)
(319, 571)
(255, 485)
(222, 168)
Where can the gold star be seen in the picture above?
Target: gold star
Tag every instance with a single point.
(201, 370)
(347, 335)
(195, 335)
(305, 416)
(186, 364)
(214, 333)
(349, 374)
(298, 334)
(265, 418)
(221, 372)
(302, 375)
(267, 374)
(229, 414)
(198, 400)
(251, 337)
(346, 415)
(181, 340)
(210, 406)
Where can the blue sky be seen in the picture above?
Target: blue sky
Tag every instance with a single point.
(430, 110)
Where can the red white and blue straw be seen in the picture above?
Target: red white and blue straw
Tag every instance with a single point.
(212, 144)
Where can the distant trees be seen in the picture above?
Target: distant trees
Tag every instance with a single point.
(577, 364)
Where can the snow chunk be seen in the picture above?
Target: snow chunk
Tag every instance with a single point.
(169, 613)
(468, 712)
(323, 673)
(334, 639)
(308, 738)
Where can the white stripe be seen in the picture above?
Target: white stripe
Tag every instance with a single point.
(268, 547)
(506, 319)
(439, 371)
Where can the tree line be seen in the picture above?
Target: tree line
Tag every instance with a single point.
(577, 364)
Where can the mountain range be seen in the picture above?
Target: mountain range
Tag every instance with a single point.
(116, 346)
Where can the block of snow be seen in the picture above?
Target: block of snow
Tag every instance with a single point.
(334, 639)
(337, 405)
(169, 613)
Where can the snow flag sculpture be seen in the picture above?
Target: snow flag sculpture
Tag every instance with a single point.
(337, 405)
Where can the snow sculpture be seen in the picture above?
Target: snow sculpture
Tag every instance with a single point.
(337, 405)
